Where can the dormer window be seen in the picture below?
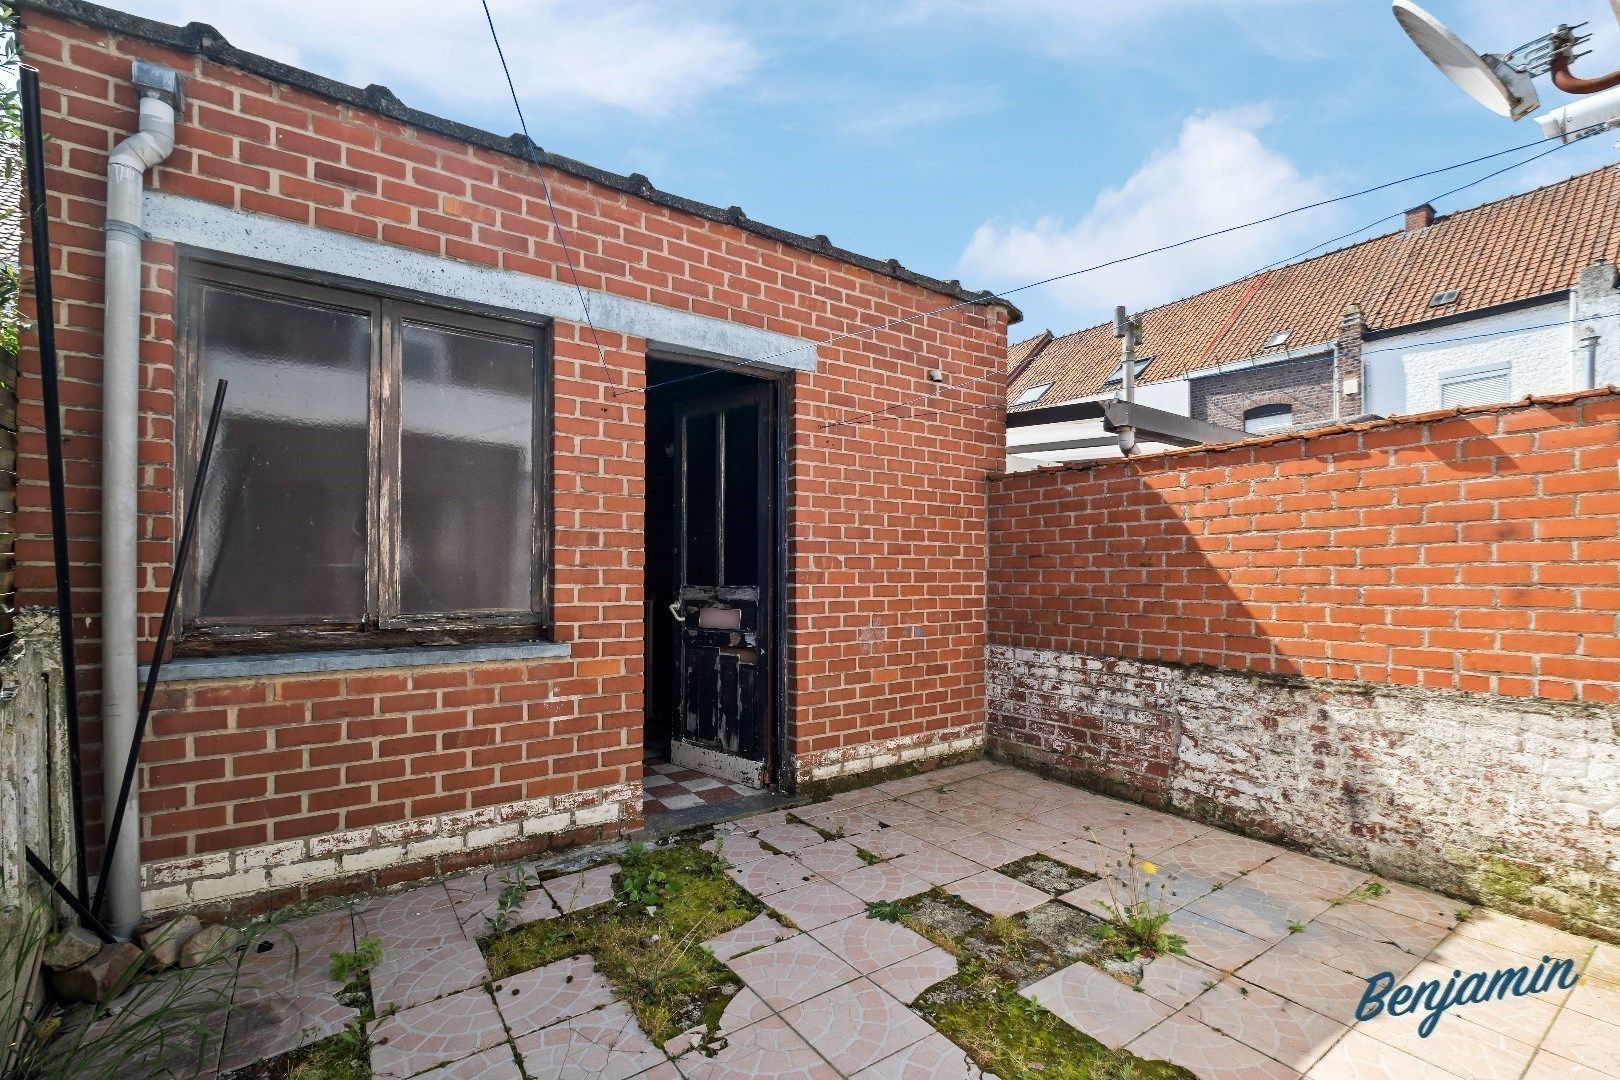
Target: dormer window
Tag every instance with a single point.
(1119, 372)
(1443, 297)
(1031, 395)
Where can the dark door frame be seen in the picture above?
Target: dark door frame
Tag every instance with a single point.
(778, 774)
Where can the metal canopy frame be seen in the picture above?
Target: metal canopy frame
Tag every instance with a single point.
(1152, 425)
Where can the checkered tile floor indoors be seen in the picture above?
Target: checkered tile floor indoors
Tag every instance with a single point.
(671, 787)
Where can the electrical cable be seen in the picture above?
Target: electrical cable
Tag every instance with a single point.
(545, 189)
(856, 420)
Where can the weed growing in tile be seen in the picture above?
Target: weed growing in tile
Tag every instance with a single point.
(515, 885)
(885, 910)
(1295, 926)
(1137, 912)
(653, 955)
(868, 857)
(639, 881)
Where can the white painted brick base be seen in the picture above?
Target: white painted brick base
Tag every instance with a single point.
(880, 755)
(1511, 801)
(232, 875)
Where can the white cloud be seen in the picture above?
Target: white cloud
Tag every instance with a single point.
(1217, 173)
(651, 59)
(917, 112)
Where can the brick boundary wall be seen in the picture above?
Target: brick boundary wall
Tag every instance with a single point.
(249, 784)
(1395, 643)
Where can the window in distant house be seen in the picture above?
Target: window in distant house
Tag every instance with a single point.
(1278, 339)
(1032, 395)
(1476, 386)
(1443, 298)
(380, 474)
(1119, 372)
(1263, 419)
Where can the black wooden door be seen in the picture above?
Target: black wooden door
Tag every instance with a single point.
(725, 488)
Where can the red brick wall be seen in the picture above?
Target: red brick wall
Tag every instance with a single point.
(886, 518)
(1476, 552)
(1395, 645)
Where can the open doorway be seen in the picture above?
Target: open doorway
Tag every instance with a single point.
(713, 566)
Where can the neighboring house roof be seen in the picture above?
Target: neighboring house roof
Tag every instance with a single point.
(203, 40)
(1524, 246)
(11, 183)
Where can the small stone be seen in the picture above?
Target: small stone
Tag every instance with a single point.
(163, 944)
(71, 949)
(94, 979)
(209, 943)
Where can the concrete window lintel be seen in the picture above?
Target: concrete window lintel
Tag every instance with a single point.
(245, 667)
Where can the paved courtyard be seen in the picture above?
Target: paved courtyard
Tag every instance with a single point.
(1278, 946)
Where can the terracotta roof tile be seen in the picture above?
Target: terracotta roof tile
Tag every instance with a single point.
(1523, 246)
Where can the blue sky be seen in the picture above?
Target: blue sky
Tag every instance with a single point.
(995, 142)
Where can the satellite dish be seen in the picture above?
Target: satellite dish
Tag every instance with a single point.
(1488, 79)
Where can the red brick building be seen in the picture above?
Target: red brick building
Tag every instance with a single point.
(466, 551)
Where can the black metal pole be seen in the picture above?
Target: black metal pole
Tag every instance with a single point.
(182, 550)
(86, 919)
(45, 328)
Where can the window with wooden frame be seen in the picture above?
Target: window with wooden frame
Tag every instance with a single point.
(381, 475)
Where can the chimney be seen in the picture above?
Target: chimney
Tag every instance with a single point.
(1419, 217)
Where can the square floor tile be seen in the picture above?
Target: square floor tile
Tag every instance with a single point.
(997, 894)
(767, 1049)
(1305, 982)
(573, 892)
(420, 1038)
(1176, 980)
(867, 944)
(756, 933)
(937, 866)
(788, 837)
(1586, 1039)
(531, 1000)
(933, 1058)
(1097, 1004)
(1359, 1056)
(991, 851)
(496, 1063)
(420, 918)
(792, 971)
(604, 1044)
(831, 858)
(908, 978)
(771, 875)
(1262, 1021)
(401, 980)
(1208, 1054)
(880, 881)
(1329, 877)
(816, 903)
(856, 1024)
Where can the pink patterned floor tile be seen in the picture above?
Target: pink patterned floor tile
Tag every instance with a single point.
(1219, 857)
(937, 866)
(1381, 924)
(816, 903)
(421, 918)
(1176, 980)
(792, 971)
(1208, 1054)
(766, 1049)
(880, 881)
(770, 875)
(933, 1058)
(1329, 877)
(401, 980)
(496, 1063)
(788, 837)
(910, 977)
(756, 933)
(991, 851)
(417, 1039)
(535, 999)
(573, 892)
(1359, 1056)
(831, 858)
(1262, 1021)
(737, 849)
(1097, 1004)
(869, 944)
(1457, 1042)
(855, 1025)
(605, 1044)
(1351, 953)
(1305, 982)
(888, 843)
(997, 894)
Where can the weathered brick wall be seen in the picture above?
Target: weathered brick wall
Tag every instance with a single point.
(1398, 644)
(886, 516)
(1305, 384)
